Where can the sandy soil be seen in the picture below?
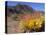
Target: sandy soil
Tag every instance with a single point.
(12, 25)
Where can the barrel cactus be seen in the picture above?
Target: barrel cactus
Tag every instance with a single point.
(30, 24)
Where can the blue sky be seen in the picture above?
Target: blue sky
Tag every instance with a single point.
(37, 6)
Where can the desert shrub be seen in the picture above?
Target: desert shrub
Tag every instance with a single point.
(16, 17)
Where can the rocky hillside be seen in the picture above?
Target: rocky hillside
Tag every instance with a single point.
(19, 9)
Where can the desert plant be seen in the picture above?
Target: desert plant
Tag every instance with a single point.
(30, 24)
